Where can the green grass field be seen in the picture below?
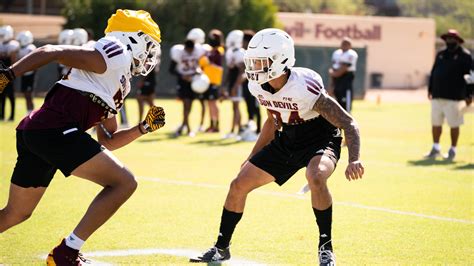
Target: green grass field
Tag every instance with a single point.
(405, 211)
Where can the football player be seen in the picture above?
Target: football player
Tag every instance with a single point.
(8, 50)
(25, 38)
(211, 65)
(302, 130)
(344, 61)
(198, 36)
(146, 89)
(184, 65)
(54, 136)
(235, 64)
(64, 38)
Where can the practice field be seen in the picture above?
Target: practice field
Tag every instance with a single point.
(406, 210)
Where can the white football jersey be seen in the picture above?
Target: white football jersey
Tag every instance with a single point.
(113, 85)
(23, 52)
(187, 63)
(348, 57)
(235, 56)
(292, 104)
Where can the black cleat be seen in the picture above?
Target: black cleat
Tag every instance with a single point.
(326, 255)
(214, 254)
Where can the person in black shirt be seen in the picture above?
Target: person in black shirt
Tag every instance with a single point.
(447, 91)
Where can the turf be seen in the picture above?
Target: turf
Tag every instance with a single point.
(183, 183)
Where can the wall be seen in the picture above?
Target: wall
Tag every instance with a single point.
(401, 49)
(42, 27)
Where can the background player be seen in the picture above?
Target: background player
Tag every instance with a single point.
(25, 39)
(302, 130)
(184, 64)
(234, 56)
(342, 73)
(54, 136)
(8, 50)
(211, 65)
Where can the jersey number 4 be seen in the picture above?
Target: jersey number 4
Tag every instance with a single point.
(294, 118)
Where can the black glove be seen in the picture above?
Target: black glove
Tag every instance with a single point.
(6, 76)
(155, 119)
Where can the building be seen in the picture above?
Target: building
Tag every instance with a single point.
(399, 50)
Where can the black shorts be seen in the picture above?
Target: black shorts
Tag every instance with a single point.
(146, 90)
(282, 161)
(343, 90)
(27, 82)
(184, 90)
(42, 152)
(211, 94)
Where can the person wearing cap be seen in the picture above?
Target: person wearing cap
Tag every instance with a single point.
(344, 61)
(448, 91)
(54, 137)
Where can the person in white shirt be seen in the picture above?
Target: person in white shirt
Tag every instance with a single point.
(184, 65)
(234, 56)
(344, 61)
(302, 131)
(25, 38)
(8, 55)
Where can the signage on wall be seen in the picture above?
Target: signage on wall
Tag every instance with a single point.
(301, 30)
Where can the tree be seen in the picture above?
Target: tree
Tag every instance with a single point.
(452, 14)
(343, 7)
(176, 17)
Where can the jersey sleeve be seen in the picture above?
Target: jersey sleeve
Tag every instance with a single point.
(349, 58)
(314, 87)
(175, 52)
(113, 52)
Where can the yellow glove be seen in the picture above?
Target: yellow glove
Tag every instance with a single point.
(6, 76)
(155, 119)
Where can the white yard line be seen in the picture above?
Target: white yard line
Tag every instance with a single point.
(297, 196)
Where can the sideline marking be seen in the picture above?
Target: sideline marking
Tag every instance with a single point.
(297, 196)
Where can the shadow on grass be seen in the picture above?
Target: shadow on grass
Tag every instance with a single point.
(428, 162)
(469, 166)
(217, 142)
(158, 137)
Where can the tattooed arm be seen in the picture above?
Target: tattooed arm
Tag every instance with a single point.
(333, 112)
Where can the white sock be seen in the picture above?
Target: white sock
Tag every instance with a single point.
(74, 242)
(436, 146)
(453, 148)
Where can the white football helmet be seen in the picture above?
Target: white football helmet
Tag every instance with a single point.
(25, 38)
(79, 37)
(65, 37)
(6, 33)
(145, 50)
(234, 39)
(200, 83)
(270, 53)
(196, 35)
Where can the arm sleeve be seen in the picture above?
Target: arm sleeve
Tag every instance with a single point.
(430, 84)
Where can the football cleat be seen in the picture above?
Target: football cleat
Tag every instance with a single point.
(214, 254)
(433, 154)
(64, 256)
(450, 156)
(326, 255)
